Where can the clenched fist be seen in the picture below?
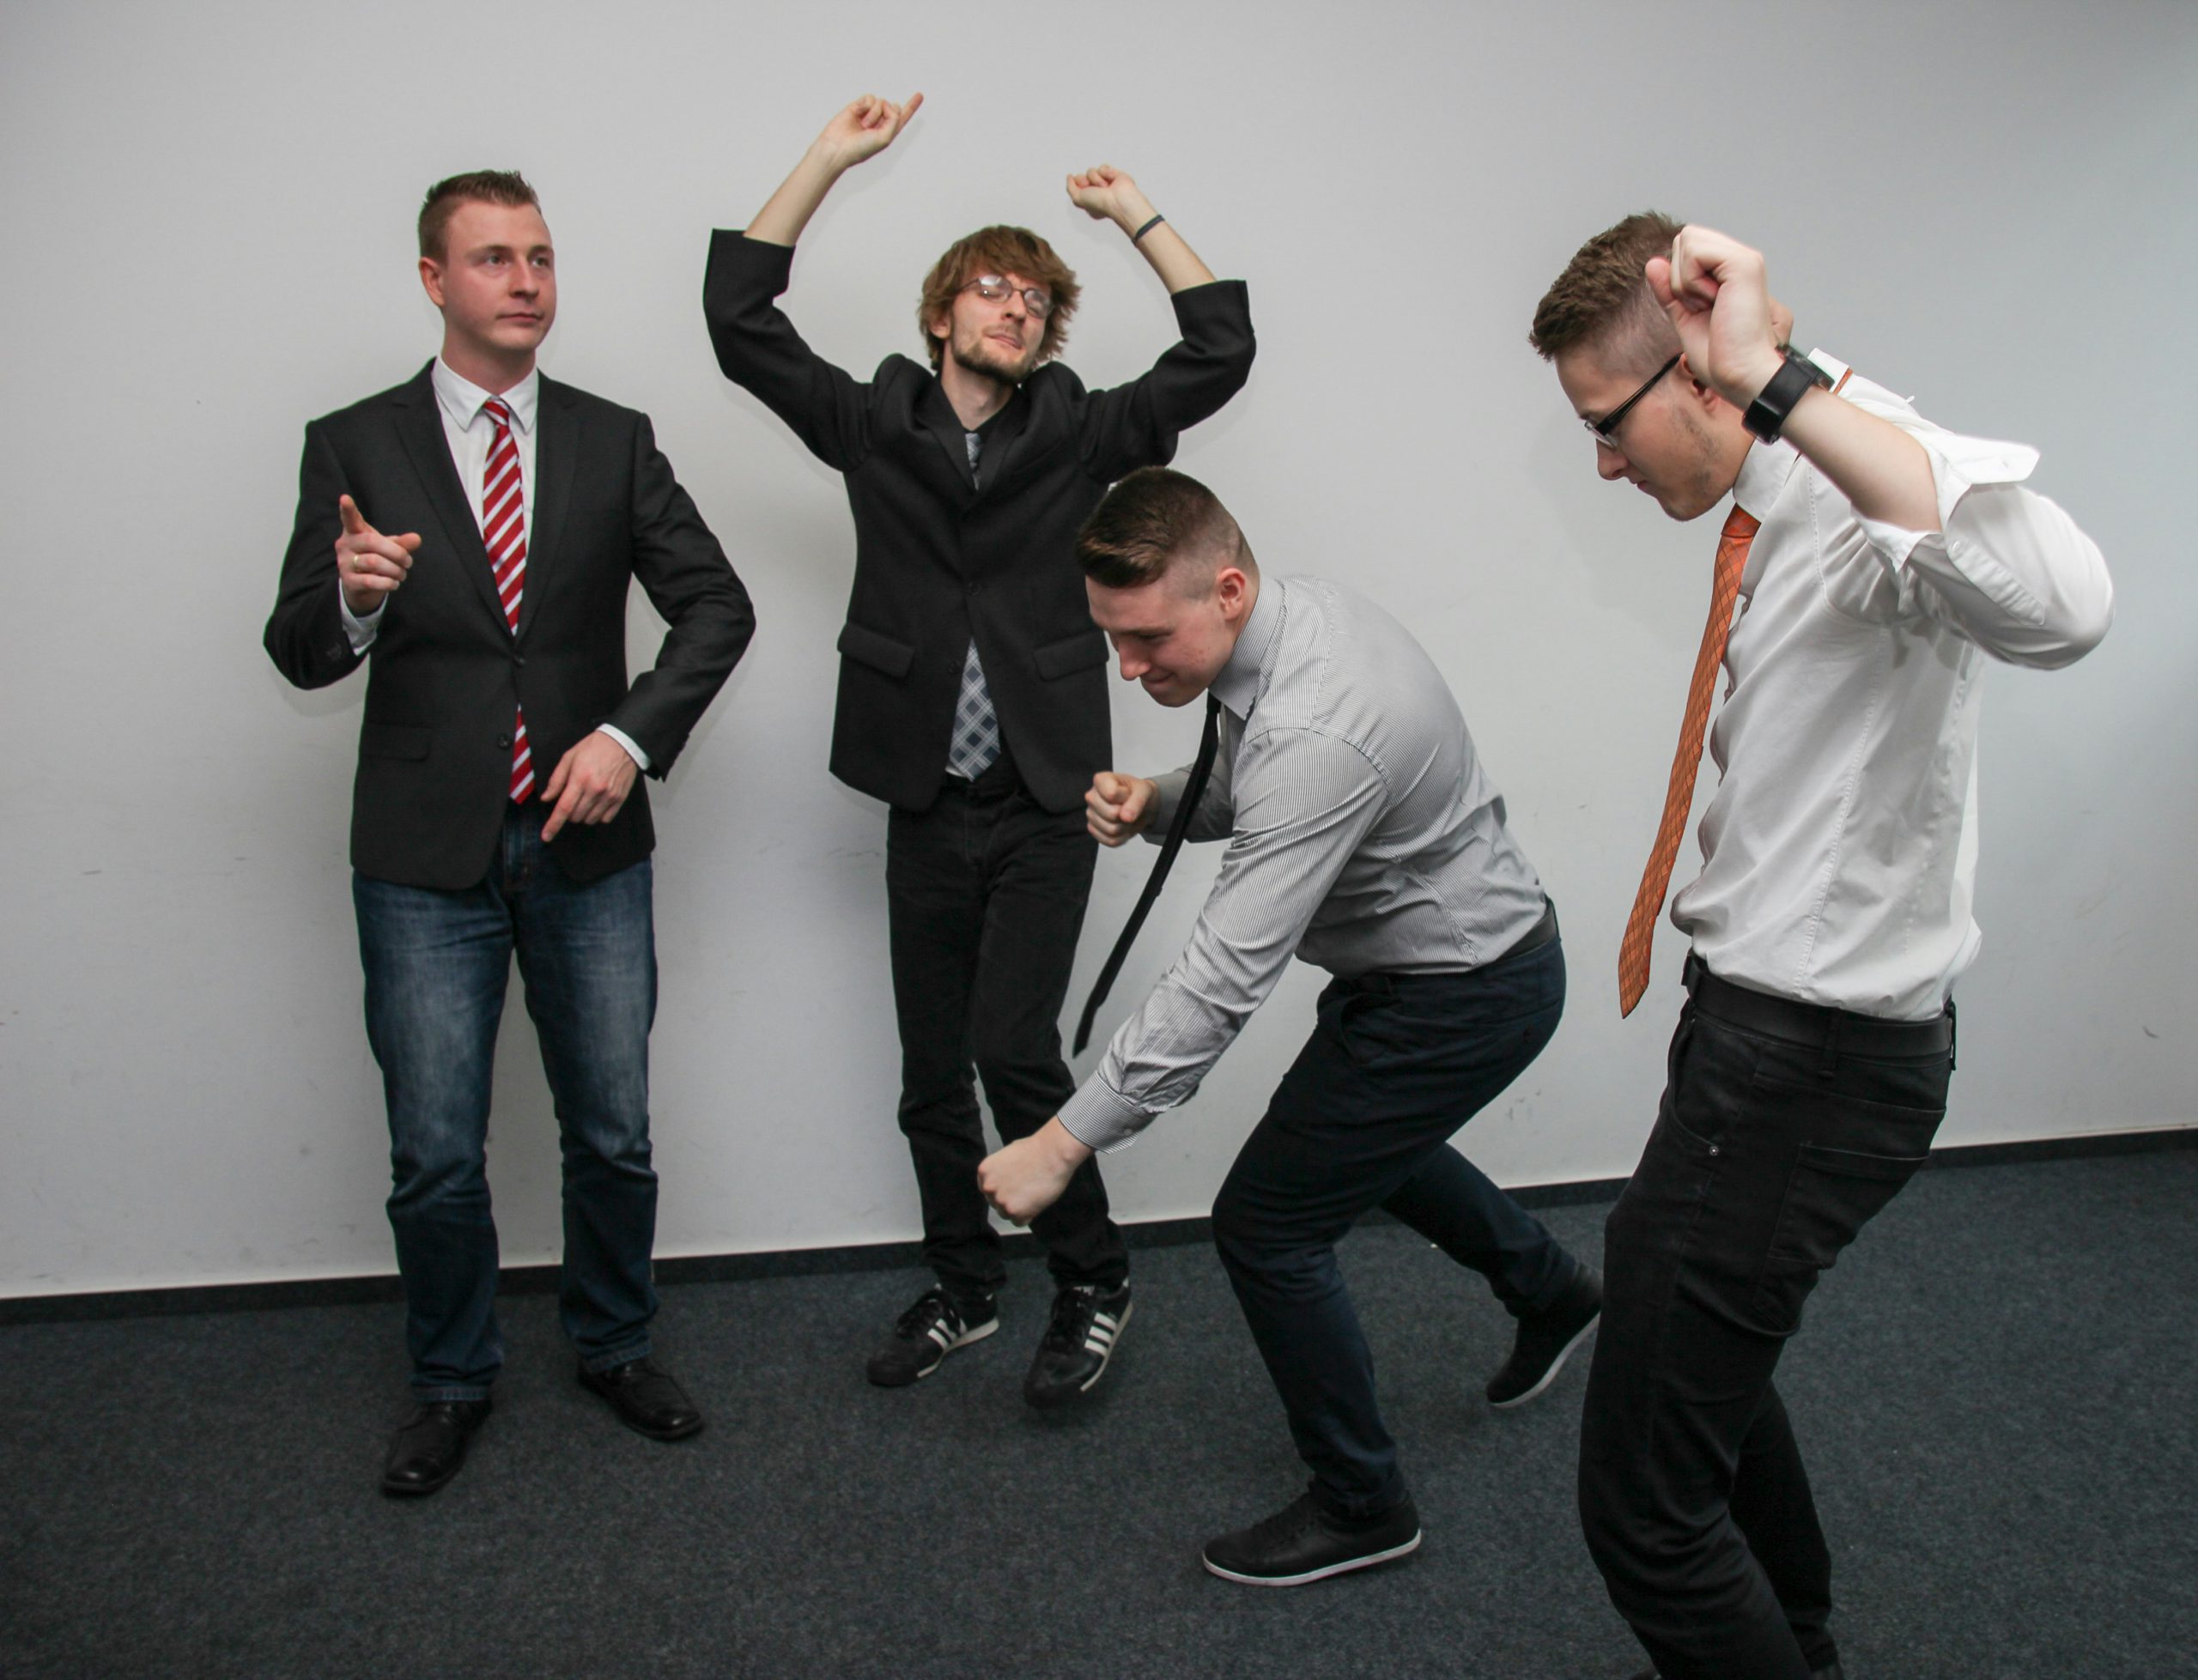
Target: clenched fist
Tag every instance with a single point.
(1119, 807)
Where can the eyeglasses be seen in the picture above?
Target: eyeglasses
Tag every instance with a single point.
(995, 289)
(1606, 429)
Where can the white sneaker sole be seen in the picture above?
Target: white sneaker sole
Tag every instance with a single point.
(1555, 1366)
(961, 1341)
(1343, 1568)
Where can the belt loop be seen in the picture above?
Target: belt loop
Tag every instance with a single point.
(1953, 1036)
(1829, 1065)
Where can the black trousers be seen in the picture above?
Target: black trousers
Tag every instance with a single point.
(1395, 1064)
(985, 891)
(1783, 1130)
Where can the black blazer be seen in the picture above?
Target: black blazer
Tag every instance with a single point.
(436, 742)
(939, 559)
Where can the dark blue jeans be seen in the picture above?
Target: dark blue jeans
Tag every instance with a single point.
(1784, 1129)
(436, 967)
(1395, 1064)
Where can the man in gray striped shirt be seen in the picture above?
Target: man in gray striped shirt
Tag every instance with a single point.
(1362, 836)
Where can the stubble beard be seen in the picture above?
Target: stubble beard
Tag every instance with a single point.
(982, 358)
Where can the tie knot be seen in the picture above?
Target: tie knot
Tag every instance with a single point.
(499, 412)
(1740, 525)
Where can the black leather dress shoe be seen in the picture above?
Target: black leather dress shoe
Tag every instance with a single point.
(428, 1449)
(646, 1398)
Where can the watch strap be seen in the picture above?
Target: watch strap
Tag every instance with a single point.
(1766, 417)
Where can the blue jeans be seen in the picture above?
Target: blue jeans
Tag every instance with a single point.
(1396, 1064)
(1784, 1130)
(436, 965)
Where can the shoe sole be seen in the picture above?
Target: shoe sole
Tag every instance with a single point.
(1555, 1366)
(1343, 1568)
(1091, 1381)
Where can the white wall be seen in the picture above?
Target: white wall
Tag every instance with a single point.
(208, 214)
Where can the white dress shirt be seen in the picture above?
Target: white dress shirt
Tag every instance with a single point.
(469, 431)
(1839, 852)
(1363, 836)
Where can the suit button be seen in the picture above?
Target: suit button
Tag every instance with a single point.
(503, 740)
(519, 659)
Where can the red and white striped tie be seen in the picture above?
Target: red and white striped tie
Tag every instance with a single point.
(503, 528)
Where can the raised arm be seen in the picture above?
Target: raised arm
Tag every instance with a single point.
(1714, 290)
(860, 132)
(1107, 194)
(2005, 567)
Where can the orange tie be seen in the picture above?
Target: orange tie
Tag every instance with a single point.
(1678, 798)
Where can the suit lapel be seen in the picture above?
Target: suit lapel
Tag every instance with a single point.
(937, 417)
(557, 451)
(420, 424)
(1000, 443)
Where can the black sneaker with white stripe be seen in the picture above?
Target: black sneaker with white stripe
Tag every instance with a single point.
(1302, 1542)
(1545, 1340)
(1080, 1337)
(937, 1324)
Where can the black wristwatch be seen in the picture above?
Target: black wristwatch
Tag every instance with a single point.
(1766, 415)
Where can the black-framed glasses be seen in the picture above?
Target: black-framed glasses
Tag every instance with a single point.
(995, 289)
(1606, 429)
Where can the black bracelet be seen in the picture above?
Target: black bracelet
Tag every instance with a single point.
(1156, 220)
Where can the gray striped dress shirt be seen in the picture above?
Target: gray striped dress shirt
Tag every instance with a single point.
(1363, 836)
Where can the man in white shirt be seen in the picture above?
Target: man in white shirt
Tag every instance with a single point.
(1877, 560)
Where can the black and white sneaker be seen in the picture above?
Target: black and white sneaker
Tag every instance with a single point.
(1080, 1339)
(929, 1331)
(1545, 1340)
(1301, 1543)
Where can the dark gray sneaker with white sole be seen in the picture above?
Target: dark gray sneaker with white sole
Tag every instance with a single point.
(1301, 1543)
(937, 1324)
(1080, 1337)
(1546, 1339)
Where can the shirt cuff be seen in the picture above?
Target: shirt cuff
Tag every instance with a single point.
(361, 631)
(1167, 794)
(1958, 466)
(1101, 1117)
(640, 759)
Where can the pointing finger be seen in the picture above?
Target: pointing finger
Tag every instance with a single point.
(353, 525)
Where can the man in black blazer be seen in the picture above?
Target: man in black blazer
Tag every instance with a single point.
(972, 693)
(496, 807)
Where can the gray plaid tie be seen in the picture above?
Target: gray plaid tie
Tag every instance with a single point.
(975, 745)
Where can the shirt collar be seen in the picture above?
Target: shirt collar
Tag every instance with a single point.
(1244, 677)
(461, 399)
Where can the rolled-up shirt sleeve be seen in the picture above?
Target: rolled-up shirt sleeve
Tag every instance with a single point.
(1303, 801)
(2007, 568)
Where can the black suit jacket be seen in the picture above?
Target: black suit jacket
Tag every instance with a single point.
(940, 558)
(448, 671)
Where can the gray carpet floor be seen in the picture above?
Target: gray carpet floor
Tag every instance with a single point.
(1997, 1390)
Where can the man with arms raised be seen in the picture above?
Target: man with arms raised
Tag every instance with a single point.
(972, 695)
(1363, 836)
(472, 536)
(1877, 560)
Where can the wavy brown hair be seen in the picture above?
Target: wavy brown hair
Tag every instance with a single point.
(999, 249)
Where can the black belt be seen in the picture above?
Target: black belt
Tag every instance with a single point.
(1818, 1026)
